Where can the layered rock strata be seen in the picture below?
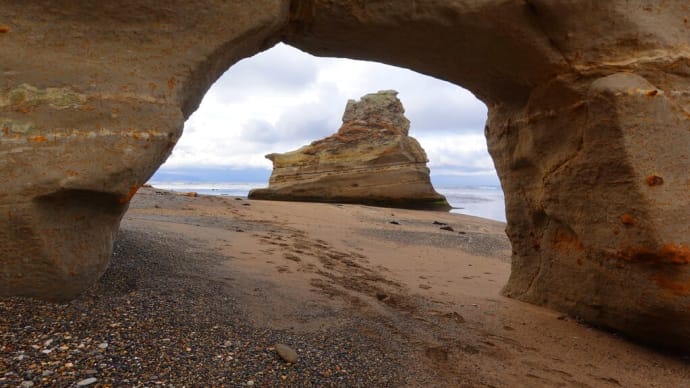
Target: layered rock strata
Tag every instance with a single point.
(589, 128)
(370, 160)
(93, 98)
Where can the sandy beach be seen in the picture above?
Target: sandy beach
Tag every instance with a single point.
(202, 288)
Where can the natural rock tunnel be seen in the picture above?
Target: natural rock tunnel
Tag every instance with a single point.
(589, 129)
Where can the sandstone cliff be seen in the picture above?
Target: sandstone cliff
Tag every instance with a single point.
(587, 125)
(370, 160)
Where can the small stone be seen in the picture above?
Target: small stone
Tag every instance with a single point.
(103, 345)
(455, 316)
(227, 344)
(91, 372)
(286, 353)
(27, 383)
(86, 382)
(47, 373)
(448, 228)
(394, 222)
(250, 383)
(47, 342)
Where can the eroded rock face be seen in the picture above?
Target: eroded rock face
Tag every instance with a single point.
(589, 128)
(92, 100)
(370, 160)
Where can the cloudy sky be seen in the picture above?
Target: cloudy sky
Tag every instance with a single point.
(283, 98)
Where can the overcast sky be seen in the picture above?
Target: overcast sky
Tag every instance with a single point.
(283, 98)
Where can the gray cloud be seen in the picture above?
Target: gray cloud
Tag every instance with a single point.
(282, 69)
(259, 131)
(303, 123)
(442, 115)
(293, 128)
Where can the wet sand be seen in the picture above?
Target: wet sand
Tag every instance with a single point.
(201, 289)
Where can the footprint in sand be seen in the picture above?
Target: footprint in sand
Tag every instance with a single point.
(292, 257)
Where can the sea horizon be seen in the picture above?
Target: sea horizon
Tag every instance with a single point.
(485, 201)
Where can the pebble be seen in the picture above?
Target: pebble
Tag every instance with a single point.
(286, 353)
(103, 345)
(250, 383)
(27, 384)
(86, 382)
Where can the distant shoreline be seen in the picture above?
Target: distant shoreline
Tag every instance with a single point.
(484, 201)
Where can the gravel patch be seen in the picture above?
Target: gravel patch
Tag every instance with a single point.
(158, 317)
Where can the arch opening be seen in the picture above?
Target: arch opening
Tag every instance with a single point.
(282, 99)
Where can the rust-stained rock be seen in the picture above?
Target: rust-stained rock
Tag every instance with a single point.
(370, 160)
(587, 100)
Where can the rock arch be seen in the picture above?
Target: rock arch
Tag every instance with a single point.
(589, 128)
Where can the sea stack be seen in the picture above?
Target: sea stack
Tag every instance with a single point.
(370, 160)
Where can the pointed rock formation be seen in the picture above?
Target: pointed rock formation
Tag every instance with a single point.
(370, 160)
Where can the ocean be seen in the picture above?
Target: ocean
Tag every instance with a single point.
(479, 201)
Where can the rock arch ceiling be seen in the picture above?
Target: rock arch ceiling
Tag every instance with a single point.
(589, 128)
